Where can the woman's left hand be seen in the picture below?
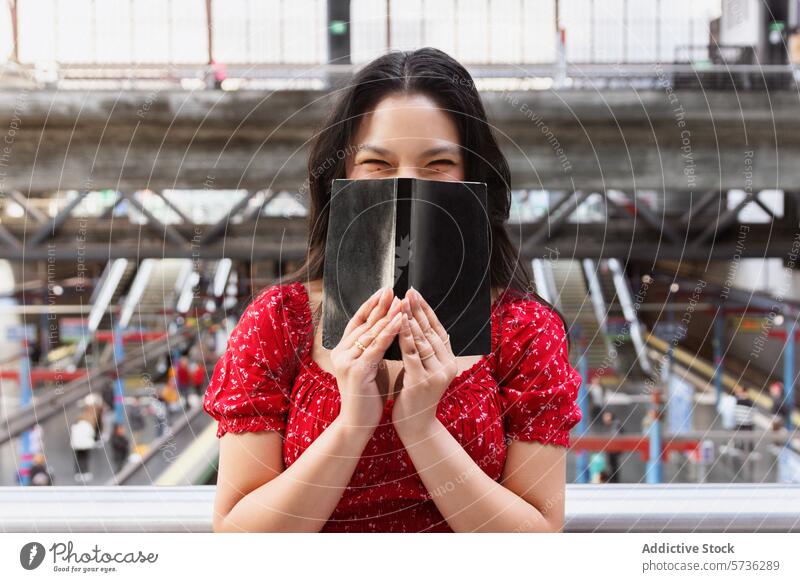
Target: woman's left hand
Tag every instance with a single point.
(429, 366)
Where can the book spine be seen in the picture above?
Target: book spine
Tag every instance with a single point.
(403, 244)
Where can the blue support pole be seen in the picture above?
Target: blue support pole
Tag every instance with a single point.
(654, 466)
(119, 385)
(719, 331)
(654, 469)
(26, 395)
(788, 369)
(582, 457)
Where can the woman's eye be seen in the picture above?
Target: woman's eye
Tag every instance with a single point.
(373, 162)
(436, 162)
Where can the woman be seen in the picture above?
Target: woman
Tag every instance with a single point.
(308, 441)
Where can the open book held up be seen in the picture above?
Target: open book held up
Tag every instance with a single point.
(400, 232)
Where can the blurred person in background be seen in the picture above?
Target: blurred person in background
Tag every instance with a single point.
(169, 392)
(613, 427)
(82, 441)
(159, 408)
(41, 474)
(598, 396)
(121, 447)
(781, 408)
(598, 465)
(35, 442)
(745, 417)
(198, 375)
(183, 378)
(95, 406)
(136, 419)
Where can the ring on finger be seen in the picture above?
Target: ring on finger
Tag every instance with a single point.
(428, 356)
(360, 346)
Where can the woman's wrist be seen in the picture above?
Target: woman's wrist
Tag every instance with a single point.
(413, 431)
(352, 430)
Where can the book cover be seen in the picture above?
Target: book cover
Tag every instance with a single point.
(400, 232)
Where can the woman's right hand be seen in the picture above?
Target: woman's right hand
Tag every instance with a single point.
(375, 325)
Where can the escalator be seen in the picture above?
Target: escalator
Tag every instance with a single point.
(573, 299)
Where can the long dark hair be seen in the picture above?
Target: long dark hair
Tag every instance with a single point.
(434, 73)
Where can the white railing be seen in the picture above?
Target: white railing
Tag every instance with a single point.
(589, 508)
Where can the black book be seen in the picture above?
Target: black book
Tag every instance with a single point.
(401, 232)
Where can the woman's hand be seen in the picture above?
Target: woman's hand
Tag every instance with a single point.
(429, 366)
(374, 325)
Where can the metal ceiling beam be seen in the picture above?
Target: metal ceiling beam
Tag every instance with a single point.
(723, 221)
(155, 224)
(660, 224)
(173, 207)
(213, 233)
(695, 209)
(51, 227)
(8, 238)
(552, 223)
(37, 215)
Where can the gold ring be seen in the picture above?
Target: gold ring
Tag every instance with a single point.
(448, 339)
(428, 356)
(360, 346)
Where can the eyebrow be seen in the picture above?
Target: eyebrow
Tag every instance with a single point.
(447, 149)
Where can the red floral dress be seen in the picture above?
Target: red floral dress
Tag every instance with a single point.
(524, 389)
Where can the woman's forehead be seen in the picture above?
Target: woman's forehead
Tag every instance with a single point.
(400, 122)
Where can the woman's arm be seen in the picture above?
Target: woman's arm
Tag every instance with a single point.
(256, 494)
(530, 498)
(254, 491)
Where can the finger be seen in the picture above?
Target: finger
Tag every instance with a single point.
(427, 354)
(430, 314)
(371, 310)
(363, 312)
(408, 346)
(441, 348)
(369, 332)
(377, 348)
(366, 332)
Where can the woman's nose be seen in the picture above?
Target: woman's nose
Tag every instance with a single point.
(408, 172)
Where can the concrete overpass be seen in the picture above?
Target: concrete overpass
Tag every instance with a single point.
(663, 139)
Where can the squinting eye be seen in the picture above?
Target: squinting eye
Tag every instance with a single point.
(441, 162)
(373, 162)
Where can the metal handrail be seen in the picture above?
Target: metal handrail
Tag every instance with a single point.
(589, 508)
(72, 75)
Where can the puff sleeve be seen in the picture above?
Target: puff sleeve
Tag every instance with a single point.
(538, 386)
(250, 386)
